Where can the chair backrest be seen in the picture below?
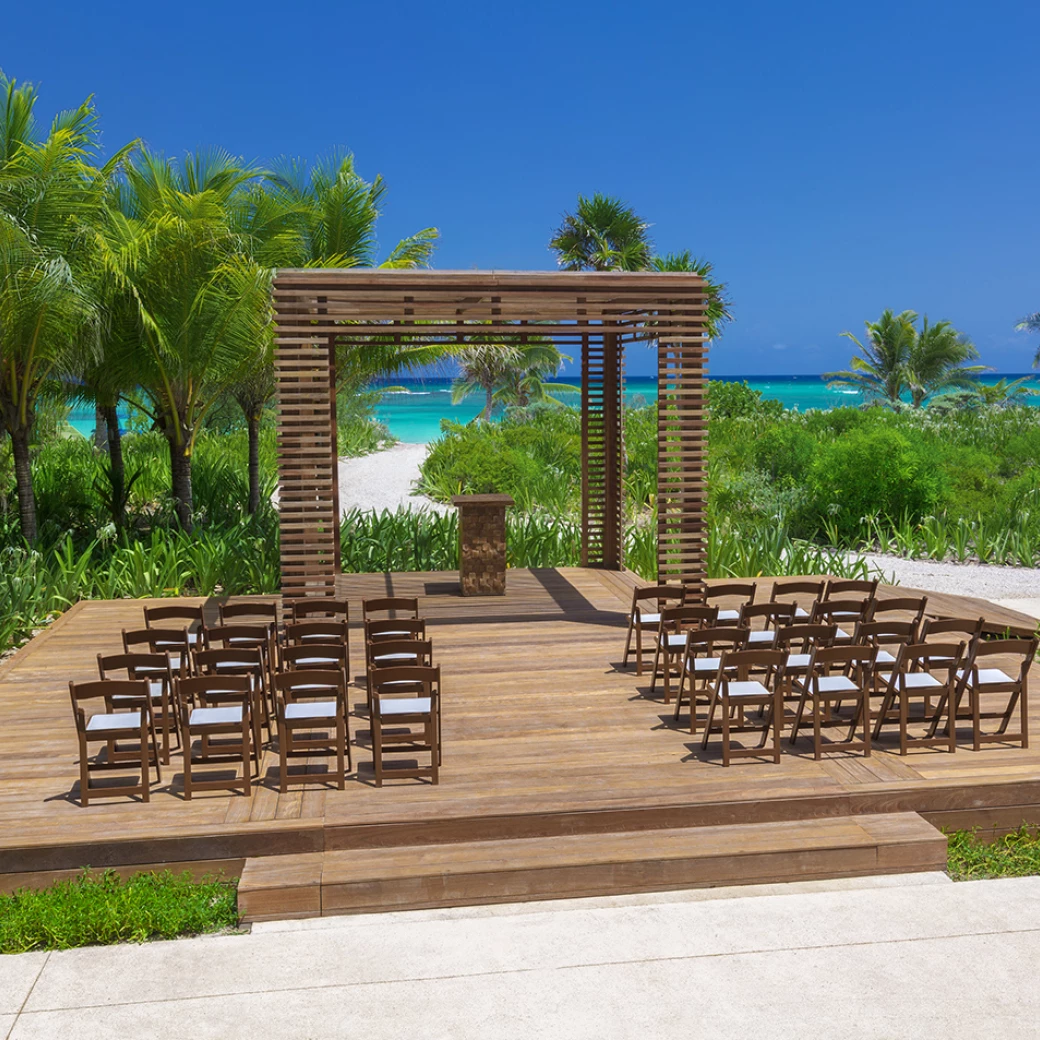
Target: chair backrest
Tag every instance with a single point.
(933, 627)
(310, 684)
(391, 653)
(803, 637)
(799, 591)
(191, 615)
(708, 641)
(848, 658)
(238, 635)
(211, 690)
(885, 633)
(769, 614)
(394, 628)
(320, 607)
(838, 610)
(659, 594)
(239, 660)
(321, 631)
(133, 695)
(130, 662)
(397, 605)
(740, 664)
(929, 657)
(845, 586)
(915, 606)
(390, 680)
(1025, 649)
(260, 610)
(684, 619)
(173, 641)
(731, 590)
(313, 655)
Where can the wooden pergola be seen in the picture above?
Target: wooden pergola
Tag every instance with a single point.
(598, 312)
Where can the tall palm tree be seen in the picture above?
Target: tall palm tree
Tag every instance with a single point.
(881, 369)
(202, 305)
(606, 234)
(937, 361)
(50, 194)
(508, 371)
(1031, 323)
(1005, 392)
(483, 368)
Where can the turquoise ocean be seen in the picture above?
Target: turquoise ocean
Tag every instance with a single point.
(414, 412)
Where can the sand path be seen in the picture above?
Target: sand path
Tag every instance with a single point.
(384, 480)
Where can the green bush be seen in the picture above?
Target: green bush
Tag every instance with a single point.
(102, 908)
(728, 400)
(869, 472)
(784, 453)
(1015, 855)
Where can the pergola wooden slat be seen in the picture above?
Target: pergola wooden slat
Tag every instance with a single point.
(600, 312)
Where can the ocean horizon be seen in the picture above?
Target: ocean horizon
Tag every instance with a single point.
(413, 413)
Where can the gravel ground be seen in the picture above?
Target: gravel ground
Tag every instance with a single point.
(965, 579)
(384, 480)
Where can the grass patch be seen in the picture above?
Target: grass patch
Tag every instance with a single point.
(103, 908)
(1015, 855)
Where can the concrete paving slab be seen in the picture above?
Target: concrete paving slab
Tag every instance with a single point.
(6, 1025)
(18, 973)
(912, 989)
(404, 951)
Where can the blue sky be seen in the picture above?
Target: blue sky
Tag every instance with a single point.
(832, 159)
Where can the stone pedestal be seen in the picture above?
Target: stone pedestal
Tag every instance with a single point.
(482, 544)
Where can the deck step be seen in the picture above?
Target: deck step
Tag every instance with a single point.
(520, 869)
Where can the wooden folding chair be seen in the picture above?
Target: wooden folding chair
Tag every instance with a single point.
(675, 625)
(742, 591)
(312, 717)
(176, 643)
(887, 638)
(845, 613)
(700, 665)
(380, 630)
(249, 662)
(645, 613)
(321, 656)
(397, 653)
(394, 714)
(976, 680)
(844, 588)
(922, 671)
(219, 710)
(798, 641)
(762, 621)
(734, 690)
(836, 674)
(191, 617)
(392, 606)
(318, 631)
(252, 612)
(127, 716)
(802, 593)
(910, 608)
(320, 608)
(155, 670)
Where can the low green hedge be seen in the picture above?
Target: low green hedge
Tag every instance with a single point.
(1015, 855)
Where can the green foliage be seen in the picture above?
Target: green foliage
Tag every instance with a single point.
(873, 471)
(1015, 855)
(101, 908)
(732, 400)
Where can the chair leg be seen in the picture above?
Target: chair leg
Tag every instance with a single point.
(778, 721)
(725, 730)
(341, 752)
(377, 748)
(147, 749)
(639, 649)
(283, 757)
(431, 739)
(628, 643)
(84, 773)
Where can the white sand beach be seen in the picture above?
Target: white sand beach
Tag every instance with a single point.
(384, 480)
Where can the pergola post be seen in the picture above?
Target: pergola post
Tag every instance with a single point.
(682, 435)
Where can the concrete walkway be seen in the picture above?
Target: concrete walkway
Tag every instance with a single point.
(892, 958)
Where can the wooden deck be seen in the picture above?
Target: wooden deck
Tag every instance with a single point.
(544, 736)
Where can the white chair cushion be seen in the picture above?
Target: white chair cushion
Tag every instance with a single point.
(312, 710)
(675, 640)
(394, 657)
(766, 637)
(916, 680)
(988, 676)
(193, 638)
(226, 665)
(223, 716)
(705, 664)
(121, 720)
(798, 660)
(396, 634)
(300, 661)
(836, 684)
(729, 615)
(799, 612)
(649, 619)
(405, 706)
(748, 688)
(884, 657)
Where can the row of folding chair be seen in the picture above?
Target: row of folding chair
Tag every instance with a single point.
(730, 598)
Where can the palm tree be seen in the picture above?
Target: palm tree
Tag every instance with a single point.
(202, 306)
(50, 195)
(483, 368)
(937, 361)
(881, 369)
(1031, 323)
(1003, 393)
(606, 234)
(508, 372)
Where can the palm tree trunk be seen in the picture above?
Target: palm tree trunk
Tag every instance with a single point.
(180, 474)
(24, 483)
(489, 402)
(117, 467)
(253, 425)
